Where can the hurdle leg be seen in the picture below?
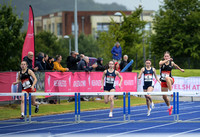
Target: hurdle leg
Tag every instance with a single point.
(79, 107)
(174, 106)
(177, 110)
(124, 105)
(25, 107)
(129, 107)
(75, 107)
(29, 107)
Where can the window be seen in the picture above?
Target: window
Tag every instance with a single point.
(49, 27)
(45, 27)
(73, 28)
(53, 28)
(103, 27)
(59, 29)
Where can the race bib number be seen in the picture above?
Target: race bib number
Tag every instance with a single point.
(148, 77)
(110, 80)
(165, 74)
(26, 84)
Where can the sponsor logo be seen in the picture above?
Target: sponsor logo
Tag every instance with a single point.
(96, 82)
(49, 81)
(128, 82)
(79, 83)
(60, 83)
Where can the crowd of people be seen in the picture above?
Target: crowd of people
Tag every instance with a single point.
(76, 62)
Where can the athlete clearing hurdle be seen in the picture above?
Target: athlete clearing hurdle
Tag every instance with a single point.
(148, 83)
(25, 76)
(166, 78)
(109, 84)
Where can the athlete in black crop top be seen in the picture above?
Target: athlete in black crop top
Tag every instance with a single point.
(25, 76)
(166, 78)
(109, 84)
(148, 72)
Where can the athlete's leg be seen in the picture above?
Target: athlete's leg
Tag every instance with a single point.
(149, 89)
(165, 96)
(106, 98)
(111, 99)
(147, 99)
(169, 82)
(22, 103)
(35, 104)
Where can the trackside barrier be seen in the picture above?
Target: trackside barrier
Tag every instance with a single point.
(77, 113)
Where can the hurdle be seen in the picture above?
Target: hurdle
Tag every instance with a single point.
(101, 94)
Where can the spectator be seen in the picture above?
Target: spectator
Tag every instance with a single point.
(82, 56)
(117, 52)
(83, 64)
(100, 66)
(73, 60)
(117, 66)
(29, 60)
(40, 63)
(124, 63)
(57, 65)
(49, 63)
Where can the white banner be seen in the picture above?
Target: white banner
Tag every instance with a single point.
(180, 84)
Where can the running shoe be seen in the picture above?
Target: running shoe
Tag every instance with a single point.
(110, 114)
(36, 109)
(152, 105)
(22, 117)
(148, 112)
(170, 110)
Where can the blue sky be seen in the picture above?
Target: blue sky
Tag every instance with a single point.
(131, 4)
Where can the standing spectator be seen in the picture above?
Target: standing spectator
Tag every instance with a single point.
(49, 63)
(117, 67)
(40, 63)
(83, 64)
(73, 60)
(100, 66)
(124, 62)
(57, 65)
(117, 52)
(29, 60)
(82, 56)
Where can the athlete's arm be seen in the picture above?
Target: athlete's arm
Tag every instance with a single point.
(154, 71)
(102, 80)
(120, 77)
(142, 70)
(18, 79)
(31, 73)
(176, 66)
(164, 61)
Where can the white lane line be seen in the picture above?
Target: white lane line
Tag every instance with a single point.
(119, 134)
(106, 113)
(115, 125)
(181, 133)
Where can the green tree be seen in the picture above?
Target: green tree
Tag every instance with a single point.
(11, 40)
(88, 46)
(177, 29)
(48, 43)
(128, 33)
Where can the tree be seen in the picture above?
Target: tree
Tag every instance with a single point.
(11, 40)
(129, 34)
(48, 43)
(177, 29)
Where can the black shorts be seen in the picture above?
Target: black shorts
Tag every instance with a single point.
(108, 88)
(147, 84)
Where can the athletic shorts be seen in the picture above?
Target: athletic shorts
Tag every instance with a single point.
(147, 85)
(164, 84)
(29, 90)
(108, 88)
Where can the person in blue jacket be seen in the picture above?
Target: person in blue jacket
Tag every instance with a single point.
(117, 52)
